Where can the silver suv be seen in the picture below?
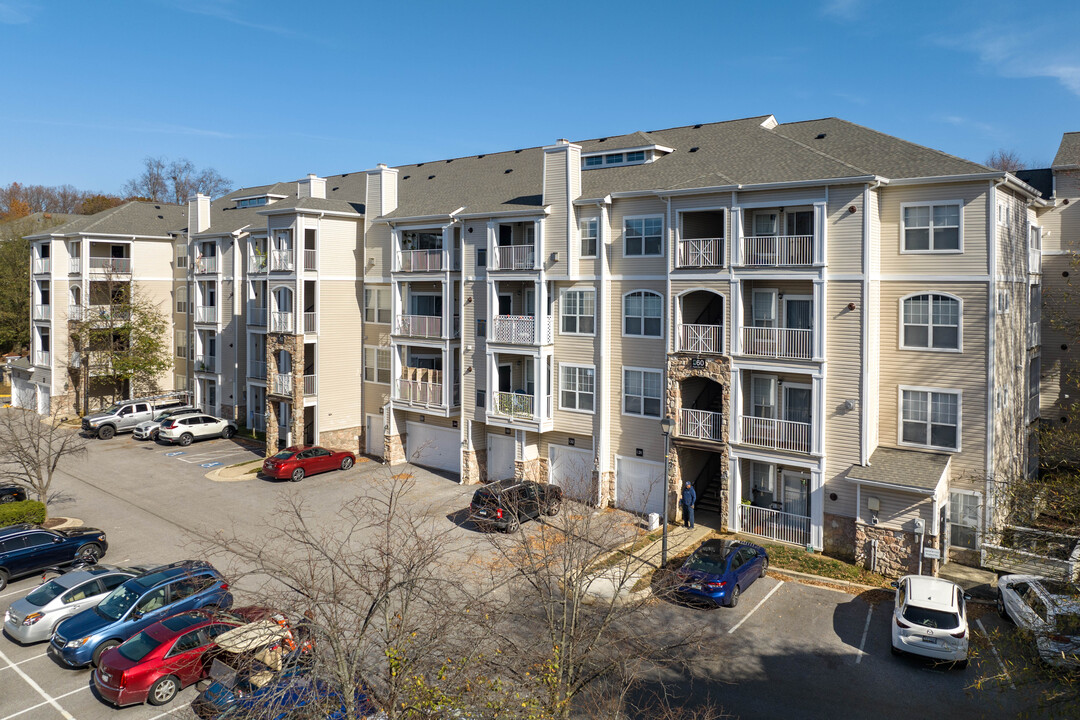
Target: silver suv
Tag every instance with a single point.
(124, 416)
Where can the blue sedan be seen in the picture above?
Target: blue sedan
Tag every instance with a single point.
(721, 570)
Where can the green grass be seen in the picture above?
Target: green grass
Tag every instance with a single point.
(813, 563)
(622, 553)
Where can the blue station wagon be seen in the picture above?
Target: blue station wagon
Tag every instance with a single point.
(719, 571)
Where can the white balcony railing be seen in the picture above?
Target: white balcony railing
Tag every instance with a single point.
(420, 260)
(701, 424)
(776, 250)
(281, 322)
(776, 434)
(41, 312)
(41, 357)
(778, 342)
(256, 315)
(206, 363)
(775, 524)
(311, 387)
(42, 266)
(74, 265)
(427, 326)
(1034, 334)
(256, 263)
(311, 260)
(517, 405)
(281, 261)
(418, 392)
(206, 314)
(1035, 261)
(282, 384)
(110, 265)
(258, 422)
(520, 330)
(309, 322)
(106, 313)
(76, 313)
(514, 257)
(257, 369)
(206, 265)
(701, 338)
(701, 253)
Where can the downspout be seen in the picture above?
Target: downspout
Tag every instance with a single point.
(670, 315)
(466, 437)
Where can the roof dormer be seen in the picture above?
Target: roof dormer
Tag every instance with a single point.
(623, 156)
(257, 200)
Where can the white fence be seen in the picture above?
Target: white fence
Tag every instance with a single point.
(420, 260)
(281, 260)
(206, 314)
(520, 330)
(206, 265)
(420, 326)
(257, 369)
(774, 524)
(701, 338)
(513, 404)
(256, 263)
(281, 322)
(282, 384)
(701, 253)
(42, 266)
(309, 322)
(778, 342)
(701, 424)
(256, 315)
(775, 250)
(418, 392)
(311, 387)
(514, 257)
(776, 434)
(311, 259)
(110, 265)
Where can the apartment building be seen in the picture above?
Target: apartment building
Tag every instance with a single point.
(843, 325)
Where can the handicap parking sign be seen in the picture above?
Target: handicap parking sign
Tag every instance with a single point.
(210, 464)
(174, 453)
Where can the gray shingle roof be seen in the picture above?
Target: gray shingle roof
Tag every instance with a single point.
(1069, 151)
(139, 218)
(310, 203)
(914, 469)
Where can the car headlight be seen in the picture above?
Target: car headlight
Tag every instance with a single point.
(101, 538)
(76, 643)
(7, 616)
(32, 618)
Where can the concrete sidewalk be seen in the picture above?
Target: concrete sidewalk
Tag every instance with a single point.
(619, 580)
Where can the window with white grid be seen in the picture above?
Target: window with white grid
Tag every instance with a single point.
(930, 418)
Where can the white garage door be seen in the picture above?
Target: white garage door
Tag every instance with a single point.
(500, 459)
(639, 485)
(374, 439)
(572, 470)
(433, 447)
(44, 402)
(23, 394)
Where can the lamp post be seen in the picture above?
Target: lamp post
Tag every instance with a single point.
(666, 426)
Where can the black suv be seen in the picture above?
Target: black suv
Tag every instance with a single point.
(11, 493)
(26, 548)
(504, 504)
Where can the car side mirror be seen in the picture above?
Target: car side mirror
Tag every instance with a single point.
(57, 539)
(895, 585)
(136, 614)
(966, 597)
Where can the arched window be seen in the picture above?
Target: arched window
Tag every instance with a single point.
(931, 322)
(643, 313)
(181, 299)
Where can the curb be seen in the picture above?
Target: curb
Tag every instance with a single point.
(68, 523)
(236, 473)
(829, 581)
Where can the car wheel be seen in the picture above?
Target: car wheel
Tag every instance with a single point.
(346, 463)
(512, 524)
(961, 664)
(3, 579)
(89, 553)
(102, 649)
(734, 599)
(7, 499)
(552, 508)
(1000, 603)
(106, 432)
(227, 433)
(297, 474)
(154, 435)
(185, 439)
(163, 690)
(764, 567)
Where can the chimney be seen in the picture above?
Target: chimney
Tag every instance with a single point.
(313, 187)
(382, 186)
(198, 213)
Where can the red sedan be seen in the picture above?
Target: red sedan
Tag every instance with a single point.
(296, 462)
(157, 663)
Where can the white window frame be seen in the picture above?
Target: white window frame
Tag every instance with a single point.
(182, 299)
(930, 333)
(181, 349)
(642, 370)
(378, 293)
(953, 521)
(1004, 301)
(576, 367)
(1002, 213)
(930, 250)
(771, 488)
(643, 218)
(663, 316)
(181, 255)
(372, 356)
(562, 311)
(582, 229)
(929, 390)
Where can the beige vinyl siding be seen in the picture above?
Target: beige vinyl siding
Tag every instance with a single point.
(899, 510)
(149, 258)
(633, 207)
(588, 267)
(1062, 223)
(557, 199)
(964, 371)
(1012, 238)
(560, 438)
(843, 377)
(377, 245)
(781, 198)
(1058, 349)
(972, 261)
(872, 393)
(1010, 370)
(408, 416)
(340, 361)
(844, 229)
(339, 246)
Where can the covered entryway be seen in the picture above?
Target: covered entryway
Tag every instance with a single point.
(639, 485)
(433, 447)
(374, 438)
(500, 458)
(572, 470)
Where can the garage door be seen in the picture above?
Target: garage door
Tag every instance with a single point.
(373, 436)
(433, 447)
(23, 394)
(500, 459)
(572, 470)
(639, 485)
(44, 401)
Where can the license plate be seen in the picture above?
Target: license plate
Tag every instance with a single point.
(695, 586)
(930, 641)
(105, 677)
(482, 512)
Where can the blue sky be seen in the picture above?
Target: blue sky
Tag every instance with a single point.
(265, 90)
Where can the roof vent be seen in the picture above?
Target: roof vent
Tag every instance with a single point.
(479, 156)
(333, 189)
(693, 149)
(602, 140)
(507, 171)
(430, 177)
(347, 174)
(516, 152)
(821, 136)
(157, 207)
(449, 161)
(406, 177)
(419, 164)
(160, 217)
(698, 126)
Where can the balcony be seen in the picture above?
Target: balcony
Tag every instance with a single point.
(775, 524)
(701, 424)
(41, 357)
(76, 313)
(421, 326)
(281, 322)
(256, 315)
(418, 392)
(701, 339)
(1035, 261)
(206, 265)
(107, 313)
(282, 384)
(74, 265)
(311, 387)
(281, 261)
(110, 266)
(420, 260)
(700, 253)
(206, 363)
(521, 330)
(311, 260)
(775, 434)
(789, 343)
(41, 312)
(206, 314)
(777, 250)
(257, 369)
(515, 405)
(42, 266)
(256, 263)
(309, 322)
(514, 257)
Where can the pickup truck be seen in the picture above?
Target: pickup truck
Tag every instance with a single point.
(124, 416)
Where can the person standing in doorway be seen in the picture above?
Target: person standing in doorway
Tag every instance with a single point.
(689, 499)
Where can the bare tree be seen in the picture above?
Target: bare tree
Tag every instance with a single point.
(32, 448)
(164, 180)
(1007, 160)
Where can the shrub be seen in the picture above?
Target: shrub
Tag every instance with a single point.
(26, 511)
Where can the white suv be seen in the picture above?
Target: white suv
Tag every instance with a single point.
(930, 619)
(183, 429)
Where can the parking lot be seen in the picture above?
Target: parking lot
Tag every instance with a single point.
(788, 649)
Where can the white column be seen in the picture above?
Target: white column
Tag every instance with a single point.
(539, 258)
(736, 235)
(817, 417)
(736, 316)
(539, 310)
(734, 494)
(818, 322)
(820, 224)
(444, 290)
(817, 510)
(736, 406)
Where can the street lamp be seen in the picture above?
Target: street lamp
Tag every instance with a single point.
(666, 426)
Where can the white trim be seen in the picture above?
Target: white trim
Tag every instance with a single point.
(596, 310)
(558, 387)
(930, 228)
(622, 316)
(622, 393)
(979, 516)
(807, 201)
(959, 329)
(644, 255)
(944, 391)
(581, 237)
(934, 278)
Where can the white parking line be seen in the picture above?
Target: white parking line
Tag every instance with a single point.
(760, 603)
(997, 657)
(58, 697)
(21, 662)
(49, 700)
(13, 592)
(169, 712)
(865, 630)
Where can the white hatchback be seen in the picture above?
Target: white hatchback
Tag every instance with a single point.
(930, 619)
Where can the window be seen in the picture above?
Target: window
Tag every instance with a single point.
(931, 228)
(481, 398)
(762, 478)
(181, 341)
(481, 257)
(636, 156)
(377, 365)
(1034, 373)
(641, 392)
(931, 321)
(481, 328)
(1002, 213)
(578, 312)
(594, 161)
(963, 519)
(251, 202)
(931, 418)
(642, 237)
(1004, 301)
(577, 388)
(613, 159)
(377, 305)
(588, 237)
(181, 299)
(628, 157)
(181, 255)
(642, 312)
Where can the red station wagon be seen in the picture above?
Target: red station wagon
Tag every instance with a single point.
(295, 462)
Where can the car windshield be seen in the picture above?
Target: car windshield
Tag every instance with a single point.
(283, 455)
(167, 413)
(112, 410)
(138, 647)
(44, 594)
(118, 602)
(709, 560)
(937, 619)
